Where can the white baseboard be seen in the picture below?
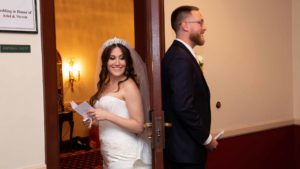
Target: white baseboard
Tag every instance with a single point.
(37, 166)
(256, 128)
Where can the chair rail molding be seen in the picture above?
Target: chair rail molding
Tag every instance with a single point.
(232, 132)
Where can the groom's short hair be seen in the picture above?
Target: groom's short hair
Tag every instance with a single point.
(179, 14)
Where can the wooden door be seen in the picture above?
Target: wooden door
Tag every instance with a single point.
(150, 43)
(149, 40)
(50, 83)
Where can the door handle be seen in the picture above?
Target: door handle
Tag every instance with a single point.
(156, 132)
(149, 125)
(168, 125)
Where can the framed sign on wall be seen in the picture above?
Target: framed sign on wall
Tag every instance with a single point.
(18, 16)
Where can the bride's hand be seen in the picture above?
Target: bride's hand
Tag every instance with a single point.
(86, 122)
(98, 114)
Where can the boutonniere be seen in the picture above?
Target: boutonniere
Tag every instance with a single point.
(200, 60)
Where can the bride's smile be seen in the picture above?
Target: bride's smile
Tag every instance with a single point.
(116, 63)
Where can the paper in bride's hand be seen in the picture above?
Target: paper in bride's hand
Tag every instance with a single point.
(82, 109)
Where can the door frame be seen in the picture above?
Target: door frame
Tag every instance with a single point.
(149, 33)
(152, 46)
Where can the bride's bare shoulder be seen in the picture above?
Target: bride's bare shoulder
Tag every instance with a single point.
(130, 84)
(129, 87)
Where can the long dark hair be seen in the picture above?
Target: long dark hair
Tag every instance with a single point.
(103, 76)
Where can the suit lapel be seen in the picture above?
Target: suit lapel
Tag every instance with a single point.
(196, 65)
(190, 56)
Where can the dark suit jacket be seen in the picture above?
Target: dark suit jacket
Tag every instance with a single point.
(186, 104)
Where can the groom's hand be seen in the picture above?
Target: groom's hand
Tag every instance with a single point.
(212, 145)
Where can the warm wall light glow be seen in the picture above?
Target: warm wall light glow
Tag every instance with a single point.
(73, 71)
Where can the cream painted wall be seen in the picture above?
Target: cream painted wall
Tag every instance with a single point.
(81, 29)
(296, 58)
(21, 87)
(21, 102)
(248, 61)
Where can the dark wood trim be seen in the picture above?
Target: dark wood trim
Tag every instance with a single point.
(162, 28)
(140, 26)
(50, 83)
(157, 52)
(296, 146)
(150, 43)
(272, 148)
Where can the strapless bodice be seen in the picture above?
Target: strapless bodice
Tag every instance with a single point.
(120, 148)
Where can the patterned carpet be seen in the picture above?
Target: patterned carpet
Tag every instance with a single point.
(82, 159)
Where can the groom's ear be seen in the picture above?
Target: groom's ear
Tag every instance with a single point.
(184, 26)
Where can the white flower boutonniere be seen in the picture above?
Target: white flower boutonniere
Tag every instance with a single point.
(200, 60)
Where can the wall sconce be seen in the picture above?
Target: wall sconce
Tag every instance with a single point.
(74, 73)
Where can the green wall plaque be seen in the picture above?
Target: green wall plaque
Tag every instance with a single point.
(15, 49)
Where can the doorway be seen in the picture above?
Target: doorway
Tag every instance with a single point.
(148, 32)
(81, 29)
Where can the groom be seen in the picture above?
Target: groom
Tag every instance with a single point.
(186, 97)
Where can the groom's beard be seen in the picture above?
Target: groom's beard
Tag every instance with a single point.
(197, 38)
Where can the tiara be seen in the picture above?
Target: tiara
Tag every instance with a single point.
(115, 41)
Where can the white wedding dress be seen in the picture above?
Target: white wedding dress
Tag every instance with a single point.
(121, 149)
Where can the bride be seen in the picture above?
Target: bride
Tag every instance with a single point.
(119, 107)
